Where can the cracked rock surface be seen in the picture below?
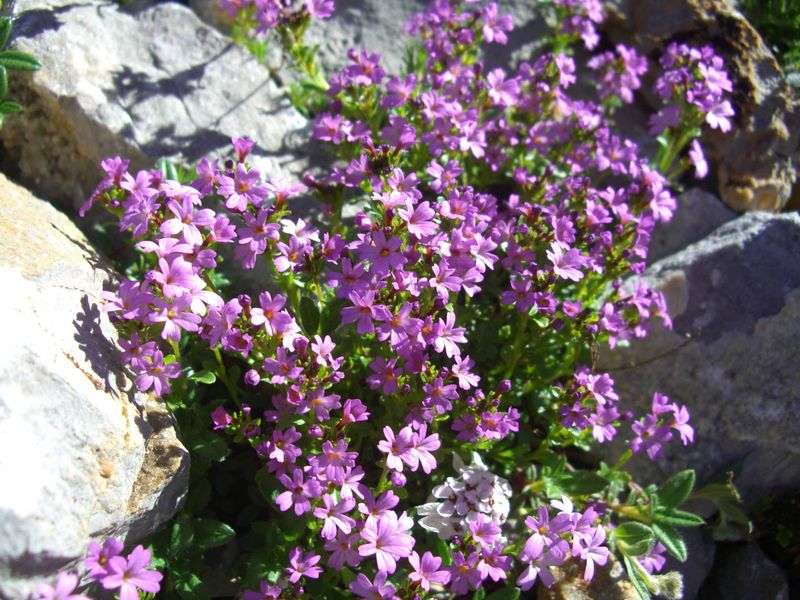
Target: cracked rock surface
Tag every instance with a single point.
(81, 458)
(149, 82)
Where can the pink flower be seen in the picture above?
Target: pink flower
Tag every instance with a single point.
(378, 588)
(397, 448)
(97, 561)
(386, 538)
(65, 585)
(589, 547)
(426, 570)
(567, 264)
(303, 566)
(334, 516)
(131, 575)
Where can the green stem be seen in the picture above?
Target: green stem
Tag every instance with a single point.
(223, 374)
(518, 346)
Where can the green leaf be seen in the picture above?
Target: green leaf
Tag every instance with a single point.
(207, 377)
(633, 539)
(19, 61)
(5, 31)
(675, 490)
(671, 539)
(637, 578)
(479, 594)
(189, 586)
(168, 168)
(582, 483)
(9, 106)
(182, 537)
(678, 518)
(267, 485)
(210, 533)
(309, 315)
(509, 593)
(211, 446)
(444, 552)
(3, 82)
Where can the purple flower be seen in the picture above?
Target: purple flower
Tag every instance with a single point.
(334, 516)
(320, 9)
(156, 374)
(426, 570)
(698, 159)
(378, 588)
(97, 561)
(385, 537)
(589, 547)
(131, 575)
(566, 265)
(301, 565)
(397, 448)
(267, 592)
(299, 492)
(65, 585)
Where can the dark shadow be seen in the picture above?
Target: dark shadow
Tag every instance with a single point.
(100, 353)
(35, 22)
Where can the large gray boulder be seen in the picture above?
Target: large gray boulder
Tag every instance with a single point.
(377, 26)
(757, 162)
(731, 358)
(81, 457)
(698, 214)
(147, 83)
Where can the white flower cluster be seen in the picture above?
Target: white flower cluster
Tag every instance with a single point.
(461, 499)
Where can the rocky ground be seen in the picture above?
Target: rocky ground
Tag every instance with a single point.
(148, 80)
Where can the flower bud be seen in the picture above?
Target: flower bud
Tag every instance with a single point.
(504, 386)
(398, 479)
(252, 377)
(315, 431)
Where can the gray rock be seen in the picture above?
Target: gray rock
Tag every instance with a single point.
(702, 549)
(377, 26)
(744, 571)
(757, 162)
(732, 357)
(151, 83)
(81, 458)
(698, 214)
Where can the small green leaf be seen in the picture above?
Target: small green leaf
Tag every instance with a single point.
(211, 446)
(671, 539)
(207, 377)
(637, 578)
(678, 518)
(5, 31)
(675, 490)
(444, 552)
(309, 315)
(633, 539)
(182, 536)
(509, 593)
(267, 484)
(209, 533)
(3, 82)
(168, 168)
(9, 106)
(479, 594)
(189, 586)
(582, 483)
(19, 61)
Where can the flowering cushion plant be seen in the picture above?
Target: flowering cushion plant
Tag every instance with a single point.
(403, 406)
